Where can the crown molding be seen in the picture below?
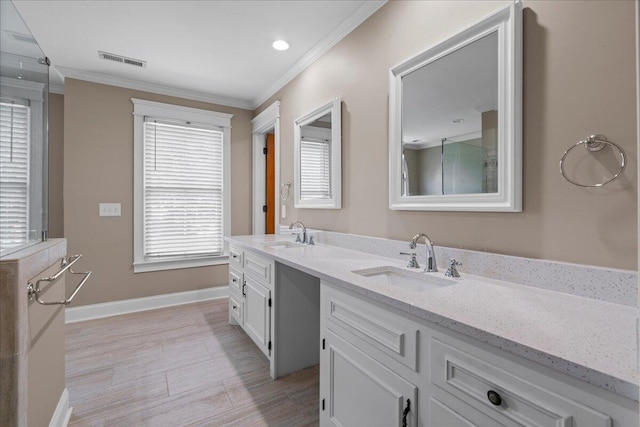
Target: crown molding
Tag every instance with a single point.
(58, 89)
(152, 87)
(364, 11)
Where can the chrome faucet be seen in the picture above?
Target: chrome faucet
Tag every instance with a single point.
(432, 265)
(304, 232)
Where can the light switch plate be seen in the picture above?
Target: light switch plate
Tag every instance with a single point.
(110, 209)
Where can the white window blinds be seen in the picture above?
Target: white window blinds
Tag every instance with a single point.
(183, 190)
(14, 173)
(315, 169)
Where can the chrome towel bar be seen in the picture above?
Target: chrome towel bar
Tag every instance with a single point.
(34, 290)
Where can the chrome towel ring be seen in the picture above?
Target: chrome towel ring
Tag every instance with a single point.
(595, 143)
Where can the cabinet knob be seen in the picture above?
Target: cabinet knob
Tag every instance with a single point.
(494, 398)
(235, 306)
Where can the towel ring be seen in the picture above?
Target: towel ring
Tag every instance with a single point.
(595, 143)
(286, 186)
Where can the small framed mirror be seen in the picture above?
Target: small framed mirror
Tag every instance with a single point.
(317, 153)
(455, 121)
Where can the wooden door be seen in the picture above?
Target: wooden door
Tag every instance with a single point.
(271, 179)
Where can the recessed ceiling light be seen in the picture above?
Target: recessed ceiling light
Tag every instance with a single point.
(280, 45)
(458, 121)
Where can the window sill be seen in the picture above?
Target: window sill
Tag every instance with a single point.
(174, 264)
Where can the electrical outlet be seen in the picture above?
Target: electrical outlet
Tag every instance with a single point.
(110, 209)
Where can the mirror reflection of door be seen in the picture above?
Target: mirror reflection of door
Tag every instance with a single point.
(270, 198)
(449, 123)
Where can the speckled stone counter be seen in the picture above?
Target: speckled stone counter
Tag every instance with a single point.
(587, 338)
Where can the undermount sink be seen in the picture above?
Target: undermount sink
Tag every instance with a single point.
(409, 280)
(282, 245)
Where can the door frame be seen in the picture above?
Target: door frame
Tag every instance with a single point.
(266, 122)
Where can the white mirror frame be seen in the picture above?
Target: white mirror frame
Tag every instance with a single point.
(335, 202)
(507, 22)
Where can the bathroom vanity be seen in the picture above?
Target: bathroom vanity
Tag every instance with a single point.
(396, 345)
(277, 306)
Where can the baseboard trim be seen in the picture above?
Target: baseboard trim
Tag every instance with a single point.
(108, 309)
(62, 414)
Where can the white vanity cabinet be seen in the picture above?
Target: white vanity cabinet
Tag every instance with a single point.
(278, 307)
(375, 357)
(362, 391)
(257, 314)
(368, 364)
(250, 295)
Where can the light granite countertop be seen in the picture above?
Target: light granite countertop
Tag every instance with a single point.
(589, 339)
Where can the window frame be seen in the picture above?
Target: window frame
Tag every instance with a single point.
(144, 108)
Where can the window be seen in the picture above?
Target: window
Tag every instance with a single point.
(181, 204)
(23, 160)
(315, 169)
(14, 172)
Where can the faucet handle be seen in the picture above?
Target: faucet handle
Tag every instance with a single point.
(298, 239)
(413, 262)
(311, 241)
(452, 271)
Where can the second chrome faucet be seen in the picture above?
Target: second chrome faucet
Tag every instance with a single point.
(431, 264)
(303, 237)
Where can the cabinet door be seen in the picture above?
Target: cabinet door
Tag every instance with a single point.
(358, 391)
(257, 313)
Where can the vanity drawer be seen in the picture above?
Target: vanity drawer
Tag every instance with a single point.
(235, 282)
(235, 257)
(235, 308)
(259, 268)
(370, 328)
(504, 395)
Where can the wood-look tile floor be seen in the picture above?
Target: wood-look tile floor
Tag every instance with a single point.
(180, 366)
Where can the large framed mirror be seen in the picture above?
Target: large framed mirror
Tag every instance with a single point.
(317, 154)
(455, 121)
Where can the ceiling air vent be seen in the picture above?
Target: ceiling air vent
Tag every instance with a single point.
(22, 37)
(122, 59)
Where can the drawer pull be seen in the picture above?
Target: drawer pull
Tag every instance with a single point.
(243, 287)
(234, 256)
(405, 413)
(233, 280)
(494, 398)
(235, 306)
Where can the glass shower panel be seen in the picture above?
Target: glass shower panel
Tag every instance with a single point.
(24, 88)
(462, 167)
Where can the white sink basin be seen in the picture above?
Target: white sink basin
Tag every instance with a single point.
(409, 280)
(282, 245)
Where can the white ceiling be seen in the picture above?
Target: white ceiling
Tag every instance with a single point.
(460, 85)
(216, 51)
